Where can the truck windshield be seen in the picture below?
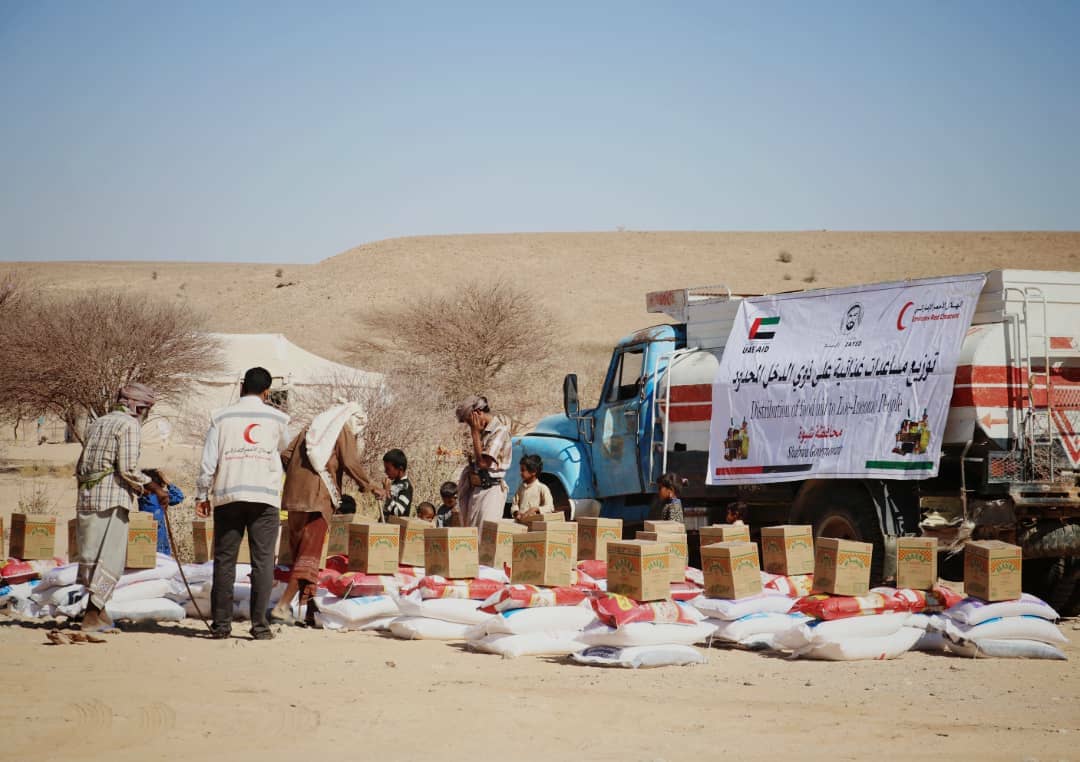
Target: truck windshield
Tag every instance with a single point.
(625, 381)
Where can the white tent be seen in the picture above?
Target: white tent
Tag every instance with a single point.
(298, 375)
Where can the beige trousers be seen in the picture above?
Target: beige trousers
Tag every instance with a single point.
(103, 539)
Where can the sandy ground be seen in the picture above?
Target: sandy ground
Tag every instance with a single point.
(167, 692)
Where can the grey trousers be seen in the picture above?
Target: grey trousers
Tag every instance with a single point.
(231, 520)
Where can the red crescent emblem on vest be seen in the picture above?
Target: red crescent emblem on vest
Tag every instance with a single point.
(247, 433)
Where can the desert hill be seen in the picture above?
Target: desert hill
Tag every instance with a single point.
(593, 282)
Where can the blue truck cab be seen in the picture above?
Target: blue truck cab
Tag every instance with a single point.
(605, 460)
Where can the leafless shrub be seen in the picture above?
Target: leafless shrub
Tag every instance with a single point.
(787, 276)
(153, 275)
(812, 277)
(488, 337)
(35, 500)
(279, 272)
(69, 355)
(784, 256)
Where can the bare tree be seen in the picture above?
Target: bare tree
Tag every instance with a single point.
(490, 337)
(69, 355)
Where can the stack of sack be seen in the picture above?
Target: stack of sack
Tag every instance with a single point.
(140, 596)
(438, 608)
(531, 620)
(642, 615)
(1023, 628)
(877, 625)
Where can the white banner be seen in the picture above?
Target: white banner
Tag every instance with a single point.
(839, 383)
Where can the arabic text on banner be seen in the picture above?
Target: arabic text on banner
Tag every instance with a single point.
(839, 383)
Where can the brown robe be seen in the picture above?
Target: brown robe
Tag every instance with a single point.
(304, 490)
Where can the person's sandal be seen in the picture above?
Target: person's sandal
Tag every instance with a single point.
(290, 620)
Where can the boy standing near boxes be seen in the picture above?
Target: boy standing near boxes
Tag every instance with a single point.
(109, 484)
(533, 496)
(315, 463)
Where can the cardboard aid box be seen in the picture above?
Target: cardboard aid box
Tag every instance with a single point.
(559, 525)
(677, 547)
(672, 527)
(337, 539)
(374, 548)
(916, 562)
(497, 542)
(412, 539)
(541, 558)
(284, 548)
(731, 570)
(33, 537)
(203, 540)
(992, 570)
(142, 541)
(788, 549)
(842, 567)
(715, 533)
(452, 552)
(639, 569)
(594, 534)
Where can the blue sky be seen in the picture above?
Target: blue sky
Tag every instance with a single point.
(280, 133)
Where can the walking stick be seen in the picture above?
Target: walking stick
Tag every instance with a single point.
(180, 566)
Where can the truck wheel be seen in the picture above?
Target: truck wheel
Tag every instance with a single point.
(1063, 586)
(859, 523)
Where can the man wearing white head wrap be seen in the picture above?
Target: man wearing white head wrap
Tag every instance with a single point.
(482, 488)
(315, 462)
(110, 483)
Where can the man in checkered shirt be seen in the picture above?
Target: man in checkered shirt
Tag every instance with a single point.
(110, 483)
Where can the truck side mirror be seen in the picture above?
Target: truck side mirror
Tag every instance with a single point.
(570, 395)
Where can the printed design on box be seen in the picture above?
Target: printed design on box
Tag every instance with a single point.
(657, 563)
(527, 551)
(746, 562)
(718, 566)
(624, 565)
(556, 550)
(913, 555)
(44, 530)
(773, 545)
(588, 534)
(505, 538)
(795, 543)
(1003, 565)
(377, 541)
(464, 544)
(854, 560)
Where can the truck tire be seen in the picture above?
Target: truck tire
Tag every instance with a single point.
(844, 513)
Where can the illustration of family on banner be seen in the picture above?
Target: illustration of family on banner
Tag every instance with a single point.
(851, 383)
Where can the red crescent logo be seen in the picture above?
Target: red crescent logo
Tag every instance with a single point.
(247, 433)
(900, 318)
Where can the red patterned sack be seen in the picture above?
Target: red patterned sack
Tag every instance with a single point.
(438, 587)
(617, 610)
(530, 597)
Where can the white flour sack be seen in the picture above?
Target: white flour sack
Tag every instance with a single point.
(526, 621)
(743, 628)
(973, 611)
(640, 657)
(351, 613)
(457, 610)
(820, 632)
(533, 644)
(422, 628)
(722, 608)
(647, 634)
(145, 610)
(1008, 628)
(858, 649)
(1008, 649)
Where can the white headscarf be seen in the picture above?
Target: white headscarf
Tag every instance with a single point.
(322, 435)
